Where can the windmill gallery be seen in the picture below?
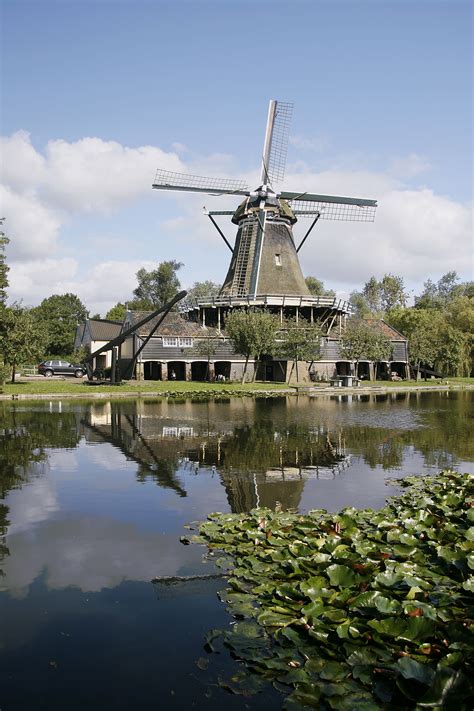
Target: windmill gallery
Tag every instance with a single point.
(264, 274)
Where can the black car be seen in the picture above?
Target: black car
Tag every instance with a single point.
(60, 367)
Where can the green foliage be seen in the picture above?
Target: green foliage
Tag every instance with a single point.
(438, 295)
(206, 347)
(253, 333)
(439, 338)
(378, 297)
(117, 312)
(57, 318)
(359, 609)
(362, 340)
(316, 287)
(157, 287)
(203, 290)
(22, 339)
(300, 341)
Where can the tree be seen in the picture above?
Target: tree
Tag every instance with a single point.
(253, 334)
(203, 290)
(58, 316)
(316, 287)
(359, 304)
(22, 339)
(372, 292)
(158, 286)
(300, 342)
(117, 312)
(361, 340)
(207, 347)
(453, 352)
(438, 295)
(392, 292)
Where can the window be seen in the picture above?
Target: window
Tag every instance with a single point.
(170, 341)
(173, 342)
(278, 260)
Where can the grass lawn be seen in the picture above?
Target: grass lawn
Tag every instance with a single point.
(71, 386)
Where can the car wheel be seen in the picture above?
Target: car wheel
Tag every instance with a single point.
(78, 373)
(48, 373)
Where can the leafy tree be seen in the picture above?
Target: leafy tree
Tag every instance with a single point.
(378, 297)
(362, 340)
(158, 286)
(22, 339)
(300, 342)
(117, 312)
(58, 316)
(359, 304)
(392, 292)
(203, 290)
(207, 347)
(372, 292)
(316, 287)
(438, 295)
(453, 352)
(253, 334)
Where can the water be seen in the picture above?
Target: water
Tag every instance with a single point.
(94, 498)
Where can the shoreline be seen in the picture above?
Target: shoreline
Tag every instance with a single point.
(295, 390)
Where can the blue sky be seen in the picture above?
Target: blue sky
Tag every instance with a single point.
(383, 109)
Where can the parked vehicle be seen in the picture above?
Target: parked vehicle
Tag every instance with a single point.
(61, 367)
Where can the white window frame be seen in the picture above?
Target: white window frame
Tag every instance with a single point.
(185, 342)
(170, 341)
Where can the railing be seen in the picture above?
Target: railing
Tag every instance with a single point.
(29, 370)
(270, 300)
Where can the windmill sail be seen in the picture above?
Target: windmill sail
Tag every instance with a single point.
(264, 257)
(276, 142)
(167, 180)
(331, 207)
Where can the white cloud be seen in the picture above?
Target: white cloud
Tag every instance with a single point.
(417, 233)
(34, 225)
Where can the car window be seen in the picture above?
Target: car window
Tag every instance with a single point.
(55, 362)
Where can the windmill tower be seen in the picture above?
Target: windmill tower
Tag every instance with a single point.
(264, 263)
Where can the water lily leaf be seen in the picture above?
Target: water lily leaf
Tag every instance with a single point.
(411, 669)
(386, 606)
(469, 584)
(313, 610)
(418, 629)
(312, 586)
(389, 579)
(449, 685)
(470, 534)
(303, 698)
(334, 671)
(341, 575)
(275, 619)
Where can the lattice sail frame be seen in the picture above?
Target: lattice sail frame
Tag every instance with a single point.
(279, 145)
(168, 180)
(333, 210)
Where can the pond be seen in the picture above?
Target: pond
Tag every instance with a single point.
(94, 498)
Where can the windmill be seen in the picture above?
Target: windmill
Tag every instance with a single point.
(265, 257)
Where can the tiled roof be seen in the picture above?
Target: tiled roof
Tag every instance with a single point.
(103, 330)
(387, 330)
(173, 325)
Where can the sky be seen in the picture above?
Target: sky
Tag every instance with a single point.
(96, 95)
